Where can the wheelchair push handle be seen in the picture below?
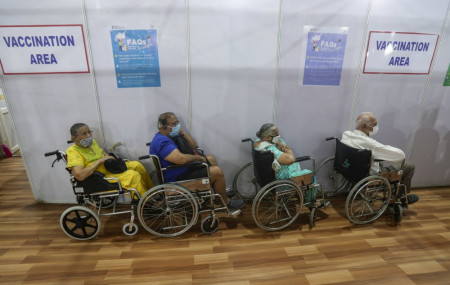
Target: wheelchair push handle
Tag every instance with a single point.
(330, 138)
(247, 139)
(113, 147)
(58, 156)
(51, 153)
(144, 157)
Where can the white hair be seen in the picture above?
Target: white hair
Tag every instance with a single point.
(363, 118)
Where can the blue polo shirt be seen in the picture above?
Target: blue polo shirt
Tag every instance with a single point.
(162, 146)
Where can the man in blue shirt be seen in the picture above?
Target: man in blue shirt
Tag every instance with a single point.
(168, 153)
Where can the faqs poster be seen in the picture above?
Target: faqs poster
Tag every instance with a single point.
(136, 59)
(325, 49)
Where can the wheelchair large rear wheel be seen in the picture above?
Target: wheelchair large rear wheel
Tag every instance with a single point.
(277, 205)
(167, 210)
(332, 182)
(245, 182)
(79, 222)
(368, 200)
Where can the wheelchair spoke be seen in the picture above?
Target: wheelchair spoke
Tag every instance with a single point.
(277, 206)
(368, 201)
(80, 223)
(167, 211)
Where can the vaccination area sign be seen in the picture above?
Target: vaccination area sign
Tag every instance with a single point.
(136, 58)
(400, 53)
(325, 49)
(43, 49)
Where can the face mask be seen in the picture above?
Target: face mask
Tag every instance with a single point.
(87, 142)
(374, 131)
(276, 139)
(175, 130)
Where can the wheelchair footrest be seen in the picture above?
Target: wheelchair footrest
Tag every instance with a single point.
(234, 213)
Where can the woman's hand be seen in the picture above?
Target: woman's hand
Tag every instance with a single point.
(105, 158)
(283, 147)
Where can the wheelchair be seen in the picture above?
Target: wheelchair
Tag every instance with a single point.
(368, 195)
(172, 208)
(96, 197)
(278, 203)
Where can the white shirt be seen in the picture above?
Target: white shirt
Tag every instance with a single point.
(360, 140)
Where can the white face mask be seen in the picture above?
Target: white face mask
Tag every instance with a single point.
(276, 139)
(374, 131)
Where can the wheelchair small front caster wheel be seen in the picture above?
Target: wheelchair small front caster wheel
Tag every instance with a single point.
(130, 232)
(79, 222)
(210, 224)
(398, 213)
(312, 217)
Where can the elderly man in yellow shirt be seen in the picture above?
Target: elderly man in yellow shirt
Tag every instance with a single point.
(85, 156)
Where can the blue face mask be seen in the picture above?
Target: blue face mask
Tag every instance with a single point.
(175, 131)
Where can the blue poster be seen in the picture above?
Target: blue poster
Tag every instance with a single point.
(136, 58)
(324, 58)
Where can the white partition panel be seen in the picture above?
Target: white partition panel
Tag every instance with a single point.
(395, 99)
(307, 114)
(218, 67)
(130, 115)
(45, 106)
(431, 147)
(233, 58)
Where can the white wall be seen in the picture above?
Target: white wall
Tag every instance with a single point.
(218, 64)
(43, 107)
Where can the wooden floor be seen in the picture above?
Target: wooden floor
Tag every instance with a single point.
(34, 249)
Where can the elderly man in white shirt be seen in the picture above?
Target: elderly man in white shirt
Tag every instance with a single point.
(367, 126)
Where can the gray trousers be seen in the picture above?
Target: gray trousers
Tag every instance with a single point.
(408, 173)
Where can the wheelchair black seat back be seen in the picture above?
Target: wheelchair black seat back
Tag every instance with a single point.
(352, 163)
(262, 167)
(157, 165)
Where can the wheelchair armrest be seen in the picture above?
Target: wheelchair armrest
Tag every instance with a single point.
(190, 164)
(303, 158)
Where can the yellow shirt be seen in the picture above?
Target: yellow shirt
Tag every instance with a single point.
(80, 156)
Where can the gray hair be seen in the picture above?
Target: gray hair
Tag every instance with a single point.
(163, 119)
(363, 118)
(75, 128)
(265, 130)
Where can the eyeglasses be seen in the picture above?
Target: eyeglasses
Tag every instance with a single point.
(174, 123)
(83, 134)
